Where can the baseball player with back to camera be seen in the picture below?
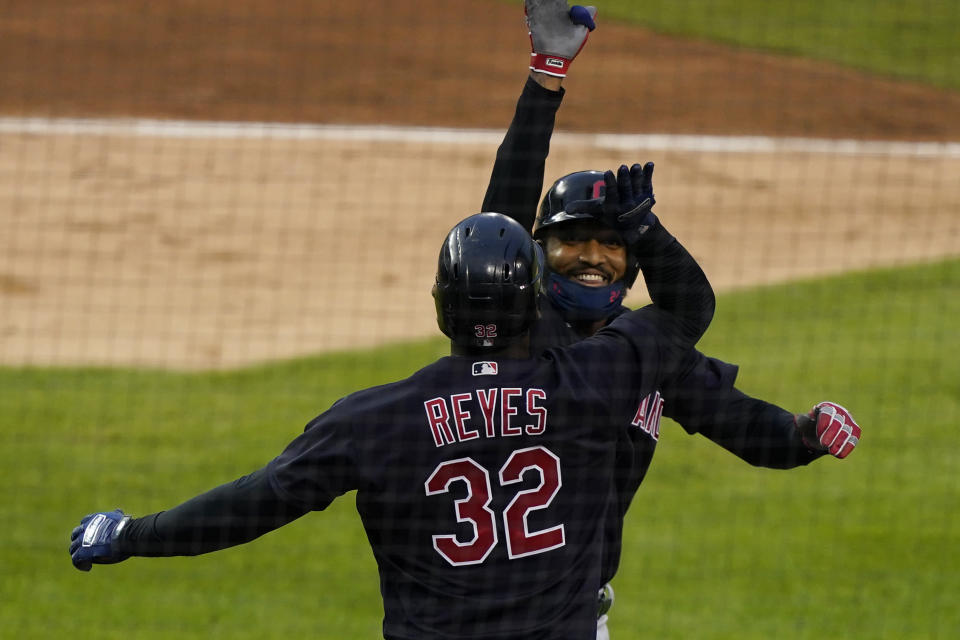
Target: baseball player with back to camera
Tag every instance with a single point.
(481, 480)
(592, 261)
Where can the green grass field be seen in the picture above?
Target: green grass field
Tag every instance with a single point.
(911, 39)
(864, 548)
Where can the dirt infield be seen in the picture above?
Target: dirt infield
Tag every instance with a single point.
(207, 251)
(451, 63)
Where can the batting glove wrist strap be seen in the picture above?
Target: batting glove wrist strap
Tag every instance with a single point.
(550, 65)
(557, 34)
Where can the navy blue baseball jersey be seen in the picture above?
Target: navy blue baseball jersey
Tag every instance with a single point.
(483, 485)
(695, 386)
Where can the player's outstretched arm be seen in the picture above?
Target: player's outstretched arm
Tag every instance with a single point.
(516, 181)
(703, 400)
(231, 514)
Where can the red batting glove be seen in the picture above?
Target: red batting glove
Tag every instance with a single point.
(829, 427)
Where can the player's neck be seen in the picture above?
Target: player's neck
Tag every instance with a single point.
(588, 328)
(517, 349)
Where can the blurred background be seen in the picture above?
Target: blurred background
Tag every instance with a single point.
(219, 217)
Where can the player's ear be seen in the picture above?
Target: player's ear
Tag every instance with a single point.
(542, 243)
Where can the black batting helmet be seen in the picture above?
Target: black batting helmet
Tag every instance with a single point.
(489, 278)
(580, 185)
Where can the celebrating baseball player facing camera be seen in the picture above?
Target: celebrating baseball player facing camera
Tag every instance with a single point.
(492, 484)
(593, 259)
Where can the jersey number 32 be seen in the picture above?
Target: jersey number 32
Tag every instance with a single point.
(474, 508)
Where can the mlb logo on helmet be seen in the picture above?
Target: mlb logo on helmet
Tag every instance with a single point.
(484, 368)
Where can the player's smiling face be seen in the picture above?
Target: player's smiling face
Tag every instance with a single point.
(587, 252)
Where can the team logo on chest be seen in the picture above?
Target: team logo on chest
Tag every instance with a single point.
(648, 415)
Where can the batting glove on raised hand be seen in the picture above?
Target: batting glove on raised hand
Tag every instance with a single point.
(557, 34)
(627, 201)
(829, 427)
(92, 542)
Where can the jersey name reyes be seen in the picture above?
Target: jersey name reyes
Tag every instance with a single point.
(486, 413)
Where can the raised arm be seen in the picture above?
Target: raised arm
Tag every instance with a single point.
(557, 33)
(517, 177)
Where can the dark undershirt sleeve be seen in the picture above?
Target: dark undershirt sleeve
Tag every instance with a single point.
(676, 283)
(701, 397)
(229, 515)
(517, 177)
(754, 430)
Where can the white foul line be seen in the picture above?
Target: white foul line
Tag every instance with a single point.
(373, 133)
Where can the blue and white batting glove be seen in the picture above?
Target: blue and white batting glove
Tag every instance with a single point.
(92, 542)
